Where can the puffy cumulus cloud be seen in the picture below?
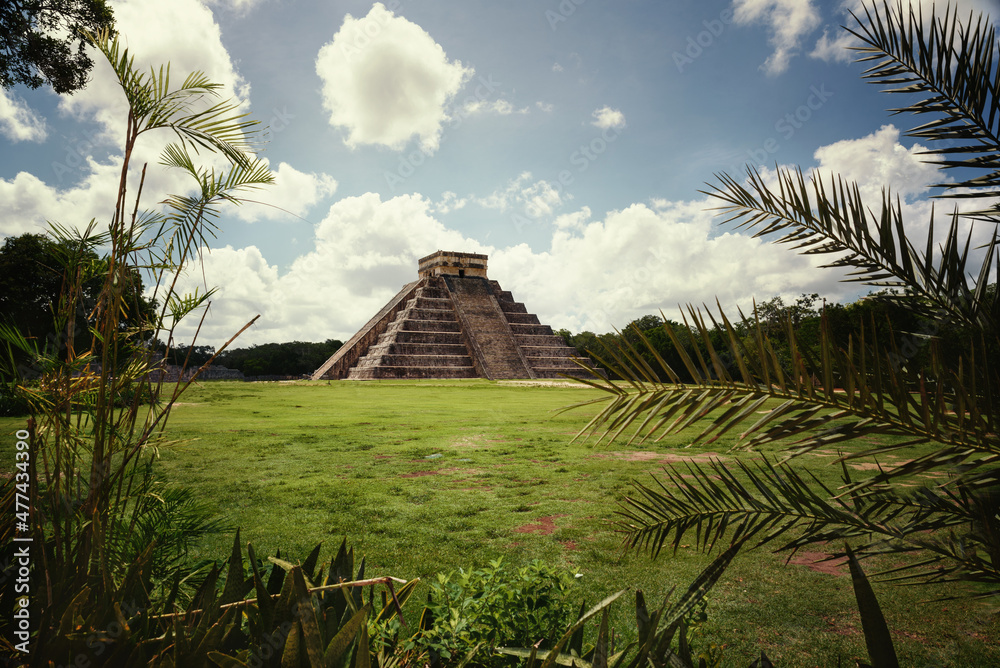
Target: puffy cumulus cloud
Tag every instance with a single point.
(788, 22)
(293, 192)
(245, 285)
(30, 203)
(606, 117)
(596, 273)
(602, 274)
(385, 80)
(835, 48)
(17, 120)
(878, 160)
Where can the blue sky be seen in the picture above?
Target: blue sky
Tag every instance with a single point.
(568, 140)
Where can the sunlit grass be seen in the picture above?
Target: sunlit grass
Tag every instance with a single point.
(426, 476)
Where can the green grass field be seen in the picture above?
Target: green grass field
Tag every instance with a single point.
(427, 476)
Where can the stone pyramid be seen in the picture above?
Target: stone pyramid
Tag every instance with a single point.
(452, 322)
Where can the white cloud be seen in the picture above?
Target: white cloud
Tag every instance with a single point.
(834, 47)
(606, 117)
(18, 122)
(293, 192)
(595, 274)
(538, 198)
(547, 107)
(788, 22)
(878, 160)
(241, 7)
(385, 80)
(605, 273)
(499, 107)
(35, 199)
(365, 250)
(450, 202)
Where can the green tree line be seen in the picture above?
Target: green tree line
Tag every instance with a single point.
(916, 337)
(293, 358)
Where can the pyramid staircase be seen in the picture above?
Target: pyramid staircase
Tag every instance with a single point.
(424, 340)
(453, 323)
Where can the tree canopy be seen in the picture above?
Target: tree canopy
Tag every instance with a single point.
(42, 41)
(33, 274)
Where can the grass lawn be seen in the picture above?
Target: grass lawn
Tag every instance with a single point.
(427, 476)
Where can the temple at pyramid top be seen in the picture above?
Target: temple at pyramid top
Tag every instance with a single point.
(452, 322)
(440, 263)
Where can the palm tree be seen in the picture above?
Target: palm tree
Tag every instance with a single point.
(837, 391)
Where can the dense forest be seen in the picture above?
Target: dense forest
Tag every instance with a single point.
(875, 316)
(294, 358)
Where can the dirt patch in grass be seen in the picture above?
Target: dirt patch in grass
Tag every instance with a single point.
(417, 474)
(458, 471)
(839, 627)
(814, 562)
(544, 526)
(546, 383)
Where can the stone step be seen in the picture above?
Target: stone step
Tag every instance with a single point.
(515, 318)
(512, 307)
(576, 372)
(553, 362)
(433, 293)
(539, 340)
(534, 330)
(385, 372)
(427, 314)
(377, 359)
(424, 337)
(397, 348)
(434, 303)
(549, 351)
(427, 326)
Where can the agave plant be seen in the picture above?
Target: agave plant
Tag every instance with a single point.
(837, 391)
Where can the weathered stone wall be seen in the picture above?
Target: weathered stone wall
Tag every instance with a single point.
(448, 263)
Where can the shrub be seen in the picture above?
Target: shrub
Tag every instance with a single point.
(493, 607)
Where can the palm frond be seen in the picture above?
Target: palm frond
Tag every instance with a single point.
(763, 503)
(817, 218)
(951, 65)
